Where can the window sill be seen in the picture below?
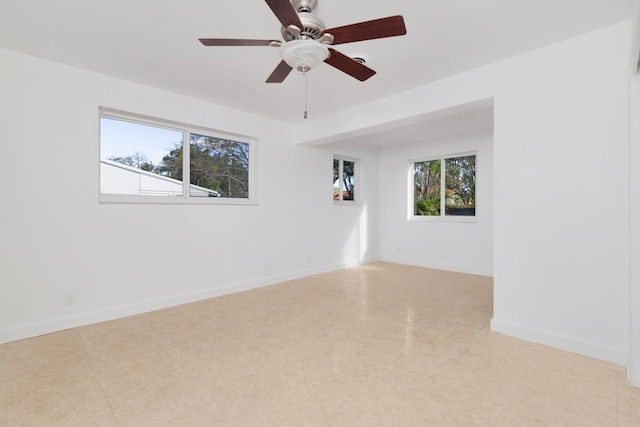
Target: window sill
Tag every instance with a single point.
(161, 200)
(451, 218)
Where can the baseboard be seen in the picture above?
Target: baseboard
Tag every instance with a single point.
(62, 323)
(633, 377)
(589, 349)
(437, 266)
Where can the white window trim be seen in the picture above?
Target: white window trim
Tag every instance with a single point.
(441, 218)
(356, 176)
(186, 129)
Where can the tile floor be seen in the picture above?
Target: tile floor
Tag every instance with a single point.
(377, 345)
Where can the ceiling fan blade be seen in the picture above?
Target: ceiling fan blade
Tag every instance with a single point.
(376, 29)
(280, 73)
(348, 65)
(234, 42)
(285, 13)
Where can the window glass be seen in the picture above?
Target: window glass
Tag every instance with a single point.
(344, 180)
(336, 179)
(133, 156)
(461, 186)
(443, 187)
(427, 183)
(144, 156)
(220, 165)
(349, 180)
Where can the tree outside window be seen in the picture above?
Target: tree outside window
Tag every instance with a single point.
(344, 180)
(460, 186)
(427, 188)
(148, 159)
(457, 182)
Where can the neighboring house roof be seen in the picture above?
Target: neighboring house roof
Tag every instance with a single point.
(117, 178)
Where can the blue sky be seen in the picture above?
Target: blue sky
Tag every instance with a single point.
(120, 139)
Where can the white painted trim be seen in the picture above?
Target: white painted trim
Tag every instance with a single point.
(635, 44)
(67, 322)
(357, 194)
(411, 216)
(162, 200)
(633, 370)
(441, 218)
(436, 266)
(185, 129)
(589, 349)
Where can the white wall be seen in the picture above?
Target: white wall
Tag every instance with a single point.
(561, 185)
(561, 223)
(457, 246)
(634, 202)
(360, 239)
(56, 237)
(634, 345)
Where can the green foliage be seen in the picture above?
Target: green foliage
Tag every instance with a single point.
(221, 165)
(426, 178)
(460, 186)
(215, 163)
(171, 165)
(430, 206)
(460, 181)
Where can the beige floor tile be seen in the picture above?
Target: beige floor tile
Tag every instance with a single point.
(42, 368)
(39, 403)
(252, 398)
(628, 406)
(144, 395)
(118, 343)
(432, 412)
(449, 387)
(381, 344)
(582, 388)
(136, 367)
(307, 411)
(47, 352)
(110, 328)
(360, 395)
(534, 406)
(88, 408)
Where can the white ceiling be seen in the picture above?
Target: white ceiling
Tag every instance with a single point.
(154, 42)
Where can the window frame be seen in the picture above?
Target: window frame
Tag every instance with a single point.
(356, 178)
(411, 216)
(186, 130)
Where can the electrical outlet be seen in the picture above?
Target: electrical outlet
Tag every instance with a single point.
(69, 298)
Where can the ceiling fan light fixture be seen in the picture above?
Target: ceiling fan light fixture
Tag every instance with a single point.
(304, 54)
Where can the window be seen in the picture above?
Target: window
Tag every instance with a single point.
(344, 180)
(429, 180)
(146, 160)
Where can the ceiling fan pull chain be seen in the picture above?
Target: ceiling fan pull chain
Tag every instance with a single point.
(306, 92)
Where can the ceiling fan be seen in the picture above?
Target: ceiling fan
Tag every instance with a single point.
(307, 40)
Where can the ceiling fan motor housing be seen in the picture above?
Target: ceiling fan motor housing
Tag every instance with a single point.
(304, 5)
(312, 28)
